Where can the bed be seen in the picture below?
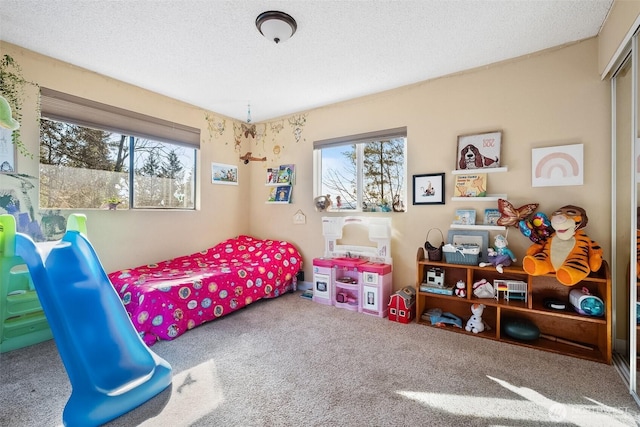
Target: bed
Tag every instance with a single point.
(166, 299)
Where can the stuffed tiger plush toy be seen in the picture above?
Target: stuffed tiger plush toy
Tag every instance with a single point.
(569, 251)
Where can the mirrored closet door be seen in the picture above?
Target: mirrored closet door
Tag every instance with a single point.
(625, 173)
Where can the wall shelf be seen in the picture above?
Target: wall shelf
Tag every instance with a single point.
(487, 198)
(484, 170)
(478, 227)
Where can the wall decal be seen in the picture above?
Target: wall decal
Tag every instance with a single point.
(297, 122)
(215, 125)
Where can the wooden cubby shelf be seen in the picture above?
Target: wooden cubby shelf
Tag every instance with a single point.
(566, 331)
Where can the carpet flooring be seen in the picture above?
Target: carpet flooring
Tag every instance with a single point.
(293, 362)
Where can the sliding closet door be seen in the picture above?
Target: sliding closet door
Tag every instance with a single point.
(622, 204)
(633, 269)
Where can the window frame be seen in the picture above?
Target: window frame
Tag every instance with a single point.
(71, 109)
(359, 140)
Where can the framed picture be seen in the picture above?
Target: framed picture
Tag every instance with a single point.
(7, 151)
(479, 151)
(557, 166)
(224, 174)
(428, 189)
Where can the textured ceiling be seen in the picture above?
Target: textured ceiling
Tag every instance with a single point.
(210, 54)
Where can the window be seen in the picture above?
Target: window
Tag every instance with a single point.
(92, 154)
(364, 172)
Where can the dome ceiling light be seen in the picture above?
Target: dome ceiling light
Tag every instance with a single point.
(276, 26)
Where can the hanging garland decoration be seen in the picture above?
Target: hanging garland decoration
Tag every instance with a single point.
(215, 125)
(12, 89)
(297, 123)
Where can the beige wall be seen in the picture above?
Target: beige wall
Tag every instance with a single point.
(622, 17)
(552, 98)
(129, 238)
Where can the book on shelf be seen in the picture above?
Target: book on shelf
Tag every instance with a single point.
(281, 194)
(441, 290)
(470, 185)
(272, 175)
(465, 217)
(491, 216)
(285, 174)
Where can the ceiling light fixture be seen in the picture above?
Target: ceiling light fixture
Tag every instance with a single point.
(276, 26)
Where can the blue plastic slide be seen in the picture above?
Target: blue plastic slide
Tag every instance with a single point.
(110, 368)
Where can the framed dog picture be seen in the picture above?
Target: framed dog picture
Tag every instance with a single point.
(479, 151)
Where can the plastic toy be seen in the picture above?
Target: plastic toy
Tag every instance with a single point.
(500, 255)
(475, 323)
(6, 120)
(110, 368)
(585, 303)
(440, 319)
(520, 329)
(461, 289)
(569, 252)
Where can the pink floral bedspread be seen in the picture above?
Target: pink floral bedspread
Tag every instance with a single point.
(166, 299)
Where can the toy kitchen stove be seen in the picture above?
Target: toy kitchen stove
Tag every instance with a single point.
(357, 278)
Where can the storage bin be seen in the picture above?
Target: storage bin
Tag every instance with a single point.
(466, 254)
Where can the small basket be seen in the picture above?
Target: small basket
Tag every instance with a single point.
(466, 254)
(433, 253)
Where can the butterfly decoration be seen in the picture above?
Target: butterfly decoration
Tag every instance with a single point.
(249, 130)
(536, 227)
(510, 215)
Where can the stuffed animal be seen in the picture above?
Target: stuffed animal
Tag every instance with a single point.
(500, 255)
(483, 289)
(461, 289)
(569, 252)
(475, 323)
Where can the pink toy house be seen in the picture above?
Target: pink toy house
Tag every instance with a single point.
(402, 305)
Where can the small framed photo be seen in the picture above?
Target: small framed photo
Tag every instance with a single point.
(224, 174)
(479, 151)
(428, 189)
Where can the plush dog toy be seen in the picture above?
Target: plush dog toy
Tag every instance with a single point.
(569, 251)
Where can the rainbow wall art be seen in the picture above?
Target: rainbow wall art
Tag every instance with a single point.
(557, 166)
